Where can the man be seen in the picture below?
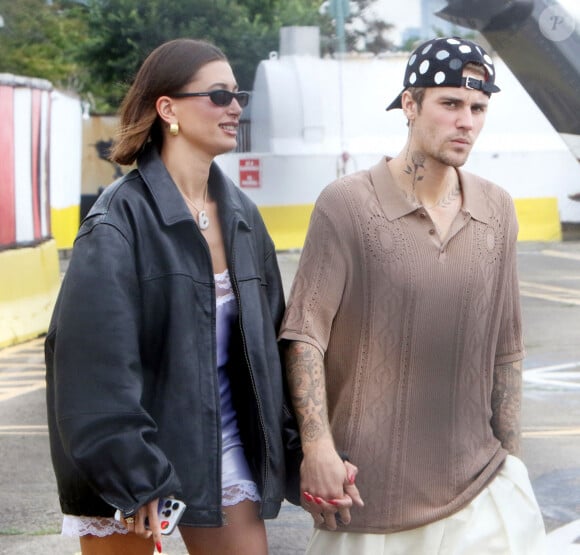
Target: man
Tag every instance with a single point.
(404, 338)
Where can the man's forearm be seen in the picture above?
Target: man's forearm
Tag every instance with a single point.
(305, 374)
(506, 402)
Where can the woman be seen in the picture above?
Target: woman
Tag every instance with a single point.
(164, 377)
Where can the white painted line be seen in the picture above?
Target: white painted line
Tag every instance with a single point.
(553, 293)
(36, 344)
(550, 293)
(561, 432)
(554, 375)
(561, 254)
(24, 365)
(554, 367)
(24, 433)
(540, 381)
(7, 393)
(550, 298)
(574, 277)
(28, 427)
(555, 288)
(11, 384)
(20, 374)
(573, 375)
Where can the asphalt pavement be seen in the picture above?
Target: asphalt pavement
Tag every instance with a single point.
(550, 286)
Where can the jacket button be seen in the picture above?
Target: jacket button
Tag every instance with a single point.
(431, 231)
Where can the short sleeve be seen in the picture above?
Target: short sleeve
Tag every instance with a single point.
(510, 345)
(320, 279)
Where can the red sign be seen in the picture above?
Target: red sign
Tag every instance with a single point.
(249, 173)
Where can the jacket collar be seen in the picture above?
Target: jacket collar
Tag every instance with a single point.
(168, 199)
(395, 205)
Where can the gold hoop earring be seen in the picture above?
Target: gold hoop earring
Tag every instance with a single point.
(174, 129)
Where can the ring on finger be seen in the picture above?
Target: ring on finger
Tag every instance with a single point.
(130, 520)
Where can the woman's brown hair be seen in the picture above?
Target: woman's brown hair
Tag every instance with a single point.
(168, 69)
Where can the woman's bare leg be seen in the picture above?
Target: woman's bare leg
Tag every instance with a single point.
(116, 544)
(244, 534)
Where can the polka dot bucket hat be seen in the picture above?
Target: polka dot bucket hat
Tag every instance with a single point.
(439, 63)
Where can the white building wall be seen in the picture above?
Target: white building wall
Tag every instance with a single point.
(306, 111)
(66, 138)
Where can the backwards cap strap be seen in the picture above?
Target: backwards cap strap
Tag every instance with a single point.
(477, 84)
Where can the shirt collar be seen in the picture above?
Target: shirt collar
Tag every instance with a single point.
(395, 205)
(475, 201)
(392, 200)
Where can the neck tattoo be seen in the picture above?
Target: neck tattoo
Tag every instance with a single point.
(451, 193)
(202, 219)
(416, 170)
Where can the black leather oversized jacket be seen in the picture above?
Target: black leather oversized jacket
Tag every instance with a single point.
(132, 392)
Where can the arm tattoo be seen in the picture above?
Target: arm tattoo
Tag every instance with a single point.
(305, 373)
(506, 401)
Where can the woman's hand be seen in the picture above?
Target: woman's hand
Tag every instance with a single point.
(136, 523)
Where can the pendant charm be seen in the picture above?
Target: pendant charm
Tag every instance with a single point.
(202, 220)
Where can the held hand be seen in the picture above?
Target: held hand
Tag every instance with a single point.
(329, 513)
(350, 488)
(324, 511)
(327, 483)
(136, 524)
(322, 472)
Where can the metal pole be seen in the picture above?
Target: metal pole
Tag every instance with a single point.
(340, 17)
(341, 50)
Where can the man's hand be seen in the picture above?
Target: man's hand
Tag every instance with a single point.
(328, 486)
(350, 488)
(327, 483)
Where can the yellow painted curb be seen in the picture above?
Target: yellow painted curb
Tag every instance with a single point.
(539, 219)
(65, 225)
(29, 283)
(287, 225)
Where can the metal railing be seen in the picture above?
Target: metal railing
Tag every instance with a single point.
(244, 139)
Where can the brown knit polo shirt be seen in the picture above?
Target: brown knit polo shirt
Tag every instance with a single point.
(411, 329)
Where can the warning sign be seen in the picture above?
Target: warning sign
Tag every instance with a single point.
(249, 173)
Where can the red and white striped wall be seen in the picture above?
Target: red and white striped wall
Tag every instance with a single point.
(24, 161)
(29, 274)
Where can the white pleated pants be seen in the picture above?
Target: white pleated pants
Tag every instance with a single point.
(504, 519)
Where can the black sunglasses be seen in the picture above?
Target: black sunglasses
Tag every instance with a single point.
(220, 97)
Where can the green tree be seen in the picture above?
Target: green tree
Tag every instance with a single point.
(123, 32)
(374, 34)
(41, 40)
(364, 31)
(94, 47)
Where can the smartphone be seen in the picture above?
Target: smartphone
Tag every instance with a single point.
(169, 511)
